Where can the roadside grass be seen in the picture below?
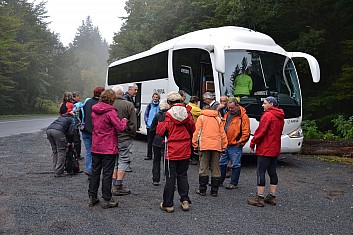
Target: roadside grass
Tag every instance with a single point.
(28, 115)
(336, 159)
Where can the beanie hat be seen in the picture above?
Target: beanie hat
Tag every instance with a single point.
(163, 105)
(173, 96)
(272, 100)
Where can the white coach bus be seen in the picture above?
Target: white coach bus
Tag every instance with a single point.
(209, 60)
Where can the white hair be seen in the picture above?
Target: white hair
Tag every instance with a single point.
(119, 90)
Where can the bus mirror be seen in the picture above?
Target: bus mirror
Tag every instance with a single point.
(313, 64)
(219, 59)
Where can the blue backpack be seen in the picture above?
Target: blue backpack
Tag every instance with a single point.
(79, 119)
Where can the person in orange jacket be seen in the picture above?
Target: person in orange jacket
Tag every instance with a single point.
(210, 139)
(237, 128)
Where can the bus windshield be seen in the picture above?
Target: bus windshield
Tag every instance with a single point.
(253, 75)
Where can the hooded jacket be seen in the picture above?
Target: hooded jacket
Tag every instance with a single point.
(267, 136)
(209, 133)
(106, 125)
(238, 131)
(178, 126)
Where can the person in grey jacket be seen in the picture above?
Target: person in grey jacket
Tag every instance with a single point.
(60, 134)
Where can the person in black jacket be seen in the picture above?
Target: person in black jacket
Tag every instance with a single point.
(158, 142)
(60, 134)
(87, 127)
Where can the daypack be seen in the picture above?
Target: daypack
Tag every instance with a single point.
(79, 114)
(72, 166)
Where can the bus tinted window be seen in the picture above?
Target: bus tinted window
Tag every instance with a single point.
(191, 69)
(144, 69)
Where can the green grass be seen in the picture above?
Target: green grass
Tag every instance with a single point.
(28, 115)
(336, 159)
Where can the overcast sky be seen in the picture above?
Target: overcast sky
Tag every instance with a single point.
(67, 15)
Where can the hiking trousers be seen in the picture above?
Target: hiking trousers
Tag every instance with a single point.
(58, 143)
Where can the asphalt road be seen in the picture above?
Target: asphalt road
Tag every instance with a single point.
(314, 197)
(13, 126)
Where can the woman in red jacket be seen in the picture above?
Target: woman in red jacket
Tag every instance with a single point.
(177, 128)
(106, 125)
(267, 139)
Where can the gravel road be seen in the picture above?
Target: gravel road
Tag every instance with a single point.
(314, 197)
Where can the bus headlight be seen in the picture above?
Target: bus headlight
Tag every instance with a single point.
(296, 134)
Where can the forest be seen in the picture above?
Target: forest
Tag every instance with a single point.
(35, 68)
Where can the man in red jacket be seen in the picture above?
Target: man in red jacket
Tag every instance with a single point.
(267, 139)
(177, 129)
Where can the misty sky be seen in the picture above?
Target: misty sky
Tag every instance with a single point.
(67, 15)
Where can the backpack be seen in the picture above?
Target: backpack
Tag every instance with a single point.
(79, 114)
(72, 166)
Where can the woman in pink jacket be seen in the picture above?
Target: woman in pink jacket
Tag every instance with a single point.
(106, 125)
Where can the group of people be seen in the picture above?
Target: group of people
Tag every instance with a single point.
(177, 132)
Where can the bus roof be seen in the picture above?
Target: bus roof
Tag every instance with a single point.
(227, 37)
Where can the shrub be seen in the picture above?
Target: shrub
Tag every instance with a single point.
(344, 127)
(310, 130)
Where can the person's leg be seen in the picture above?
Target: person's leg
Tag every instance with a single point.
(96, 173)
(262, 165)
(77, 143)
(215, 172)
(271, 170)
(60, 142)
(235, 156)
(203, 172)
(108, 162)
(223, 162)
(149, 145)
(123, 164)
(87, 140)
(168, 193)
(182, 179)
(52, 142)
(156, 169)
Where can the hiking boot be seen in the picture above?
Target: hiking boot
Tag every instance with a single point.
(270, 199)
(258, 201)
(166, 209)
(87, 172)
(231, 186)
(185, 205)
(60, 174)
(148, 158)
(93, 201)
(119, 190)
(201, 192)
(109, 204)
(155, 183)
(214, 193)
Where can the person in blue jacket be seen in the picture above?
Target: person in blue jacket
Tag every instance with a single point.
(151, 110)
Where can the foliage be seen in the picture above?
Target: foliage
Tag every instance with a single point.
(344, 127)
(310, 130)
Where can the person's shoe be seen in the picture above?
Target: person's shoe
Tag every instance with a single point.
(128, 169)
(214, 193)
(201, 193)
(87, 172)
(155, 183)
(110, 204)
(231, 186)
(185, 205)
(148, 158)
(61, 174)
(258, 201)
(194, 162)
(119, 190)
(93, 201)
(270, 199)
(166, 209)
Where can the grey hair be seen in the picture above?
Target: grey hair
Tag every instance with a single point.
(119, 90)
(208, 95)
(163, 104)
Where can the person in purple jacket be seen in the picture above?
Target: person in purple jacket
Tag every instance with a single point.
(106, 125)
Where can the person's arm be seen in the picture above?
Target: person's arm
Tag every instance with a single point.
(260, 131)
(119, 125)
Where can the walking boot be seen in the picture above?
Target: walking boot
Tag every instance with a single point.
(215, 182)
(270, 199)
(119, 190)
(109, 203)
(203, 181)
(93, 201)
(258, 201)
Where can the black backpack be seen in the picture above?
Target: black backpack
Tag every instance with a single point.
(72, 166)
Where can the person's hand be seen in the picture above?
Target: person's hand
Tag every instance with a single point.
(251, 150)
